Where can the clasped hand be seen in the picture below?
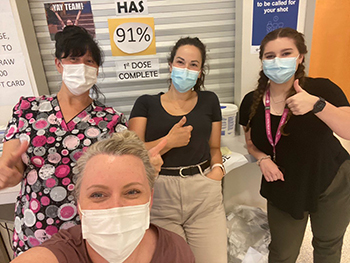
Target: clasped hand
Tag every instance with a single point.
(270, 171)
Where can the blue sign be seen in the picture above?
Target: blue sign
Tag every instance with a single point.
(269, 15)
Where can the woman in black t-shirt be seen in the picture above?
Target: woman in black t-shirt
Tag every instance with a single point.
(187, 193)
(289, 122)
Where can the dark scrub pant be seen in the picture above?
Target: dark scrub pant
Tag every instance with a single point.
(328, 224)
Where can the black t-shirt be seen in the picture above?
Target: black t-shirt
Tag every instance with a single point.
(309, 156)
(160, 122)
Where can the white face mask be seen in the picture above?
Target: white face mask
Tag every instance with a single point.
(79, 78)
(115, 233)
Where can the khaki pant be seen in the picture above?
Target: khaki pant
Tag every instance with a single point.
(193, 208)
(328, 224)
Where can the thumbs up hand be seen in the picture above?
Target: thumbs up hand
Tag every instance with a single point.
(10, 174)
(155, 157)
(297, 87)
(179, 135)
(301, 102)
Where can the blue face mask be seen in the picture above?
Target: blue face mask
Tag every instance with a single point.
(280, 70)
(184, 79)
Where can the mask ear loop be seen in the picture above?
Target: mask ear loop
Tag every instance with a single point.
(60, 62)
(79, 209)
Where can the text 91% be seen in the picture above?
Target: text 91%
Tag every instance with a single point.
(133, 37)
(142, 33)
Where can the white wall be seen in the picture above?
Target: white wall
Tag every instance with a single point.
(5, 114)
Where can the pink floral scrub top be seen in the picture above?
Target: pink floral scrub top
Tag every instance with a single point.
(45, 203)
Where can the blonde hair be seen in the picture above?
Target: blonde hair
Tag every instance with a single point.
(121, 143)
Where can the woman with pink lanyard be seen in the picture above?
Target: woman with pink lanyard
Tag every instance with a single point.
(289, 121)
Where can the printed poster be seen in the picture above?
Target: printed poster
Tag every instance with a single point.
(62, 14)
(269, 15)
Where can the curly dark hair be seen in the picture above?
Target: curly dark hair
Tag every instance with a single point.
(259, 92)
(202, 48)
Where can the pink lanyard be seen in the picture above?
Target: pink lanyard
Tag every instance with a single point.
(268, 123)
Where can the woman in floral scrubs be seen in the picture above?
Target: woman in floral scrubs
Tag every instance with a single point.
(58, 128)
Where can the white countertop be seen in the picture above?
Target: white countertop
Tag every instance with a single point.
(237, 158)
(239, 155)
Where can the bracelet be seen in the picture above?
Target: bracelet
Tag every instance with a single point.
(219, 165)
(263, 158)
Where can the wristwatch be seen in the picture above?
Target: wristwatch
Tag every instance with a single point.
(319, 105)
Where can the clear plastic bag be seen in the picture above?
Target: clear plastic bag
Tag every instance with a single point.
(247, 228)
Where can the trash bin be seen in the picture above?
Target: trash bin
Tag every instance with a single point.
(229, 112)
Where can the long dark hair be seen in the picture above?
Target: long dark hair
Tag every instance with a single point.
(76, 41)
(259, 92)
(202, 48)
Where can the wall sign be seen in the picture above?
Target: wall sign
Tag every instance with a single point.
(132, 36)
(131, 7)
(132, 70)
(269, 15)
(62, 14)
(14, 78)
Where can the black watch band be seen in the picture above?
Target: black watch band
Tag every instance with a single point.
(319, 105)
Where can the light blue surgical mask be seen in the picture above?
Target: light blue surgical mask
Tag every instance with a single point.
(280, 70)
(183, 78)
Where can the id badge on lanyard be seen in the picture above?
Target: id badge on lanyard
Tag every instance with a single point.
(268, 123)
